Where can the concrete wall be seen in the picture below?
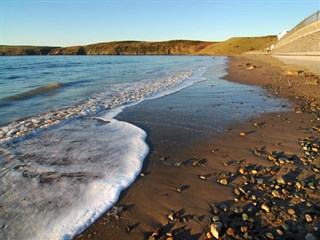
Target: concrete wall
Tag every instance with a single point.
(305, 41)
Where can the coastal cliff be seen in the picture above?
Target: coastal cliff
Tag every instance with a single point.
(173, 47)
(24, 50)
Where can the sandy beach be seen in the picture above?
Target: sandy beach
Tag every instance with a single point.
(257, 180)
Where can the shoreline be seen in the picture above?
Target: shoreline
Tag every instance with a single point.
(173, 199)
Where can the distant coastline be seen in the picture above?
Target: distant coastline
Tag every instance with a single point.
(232, 46)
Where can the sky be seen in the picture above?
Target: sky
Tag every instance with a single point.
(81, 22)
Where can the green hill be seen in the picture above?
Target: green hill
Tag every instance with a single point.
(239, 45)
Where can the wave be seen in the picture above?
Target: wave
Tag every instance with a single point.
(114, 96)
(46, 89)
(13, 77)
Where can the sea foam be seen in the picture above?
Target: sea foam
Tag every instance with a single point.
(62, 181)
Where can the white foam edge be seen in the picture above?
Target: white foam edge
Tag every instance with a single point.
(194, 78)
(101, 195)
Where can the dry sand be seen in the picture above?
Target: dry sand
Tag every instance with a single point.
(181, 198)
(312, 63)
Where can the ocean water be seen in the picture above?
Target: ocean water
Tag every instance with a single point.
(65, 156)
(32, 85)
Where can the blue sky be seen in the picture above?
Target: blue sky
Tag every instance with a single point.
(80, 22)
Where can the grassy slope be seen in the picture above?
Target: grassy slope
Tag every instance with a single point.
(239, 45)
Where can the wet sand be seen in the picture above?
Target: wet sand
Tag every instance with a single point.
(254, 181)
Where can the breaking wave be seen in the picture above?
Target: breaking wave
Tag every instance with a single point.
(46, 89)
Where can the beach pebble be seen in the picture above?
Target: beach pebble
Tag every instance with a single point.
(271, 158)
(269, 235)
(272, 172)
(265, 207)
(223, 181)
(276, 194)
(291, 211)
(215, 218)
(281, 181)
(209, 235)
(311, 185)
(244, 229)
(171, 216)
(242, 134)
(308, 218)
(202, 177)
(298, 185)
(230, 231)
(242, 171)
(237, 192)
(251, 67)
(215, 229)
(255, 124)
(293, 73)
(316, 169)
(280, 232)
(242, 190)
(245, 217)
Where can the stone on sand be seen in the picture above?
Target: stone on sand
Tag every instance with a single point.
(215, 229)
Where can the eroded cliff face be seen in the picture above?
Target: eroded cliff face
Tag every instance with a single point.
(180, 47)
(24, 50)
(175, 47)
(76, 50)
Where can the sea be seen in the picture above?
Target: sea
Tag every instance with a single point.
(65, 157)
